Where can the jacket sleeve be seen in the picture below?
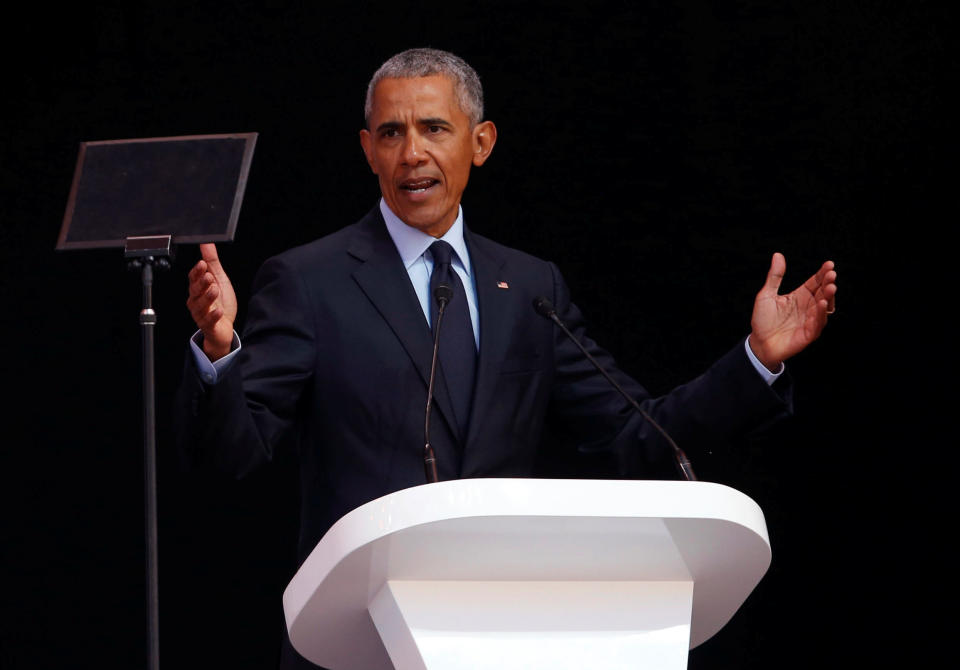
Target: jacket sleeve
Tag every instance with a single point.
(729, 400)
(236, 424)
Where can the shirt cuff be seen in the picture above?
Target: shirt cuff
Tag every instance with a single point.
(210, 371)
(768, 376)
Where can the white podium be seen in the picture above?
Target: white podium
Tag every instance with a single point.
(527, 574)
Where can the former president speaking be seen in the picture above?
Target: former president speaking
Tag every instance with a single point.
(337, 345)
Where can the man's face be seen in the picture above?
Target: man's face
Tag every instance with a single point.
(421, 146)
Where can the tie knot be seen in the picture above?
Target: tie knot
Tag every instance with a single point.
(442, 252)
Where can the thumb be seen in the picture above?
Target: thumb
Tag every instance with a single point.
(208, 252)
(778, 266)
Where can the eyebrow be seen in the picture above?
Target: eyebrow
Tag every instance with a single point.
(434, 121)
(429, 121)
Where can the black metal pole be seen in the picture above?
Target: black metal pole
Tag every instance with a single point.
(148, 320)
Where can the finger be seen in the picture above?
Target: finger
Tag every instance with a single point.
(199, 309)
(201, 284)
(197, 286)
(830, 293)
(197, 270)
(825, 274)
(778, 266)
(830, 290)
(816, 320)
(208, 252)
(819, 285)
(820, 280)
(822, 285)
(200, 303)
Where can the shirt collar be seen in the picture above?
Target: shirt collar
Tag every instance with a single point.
(412, 243)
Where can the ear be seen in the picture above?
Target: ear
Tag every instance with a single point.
(366, 141)
(484, 137)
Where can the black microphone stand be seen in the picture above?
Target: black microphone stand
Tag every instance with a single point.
(545, 309)
(145, 254)
(443, 293)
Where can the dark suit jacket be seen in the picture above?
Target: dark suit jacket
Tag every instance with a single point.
(336, 352)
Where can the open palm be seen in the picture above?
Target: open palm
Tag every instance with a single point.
(784, 325)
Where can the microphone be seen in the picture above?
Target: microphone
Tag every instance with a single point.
(545, 309)
(442, 294)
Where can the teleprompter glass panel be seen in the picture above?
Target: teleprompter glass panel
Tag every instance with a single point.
(187, 187)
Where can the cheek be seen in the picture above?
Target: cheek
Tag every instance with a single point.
(381, 162)
(384, 170)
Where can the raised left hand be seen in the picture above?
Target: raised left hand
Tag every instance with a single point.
(784, 325)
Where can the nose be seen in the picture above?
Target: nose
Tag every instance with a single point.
(413, 153)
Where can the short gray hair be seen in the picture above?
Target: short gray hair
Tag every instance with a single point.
(424, 63)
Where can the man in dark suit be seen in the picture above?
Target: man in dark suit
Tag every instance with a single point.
(337, 345)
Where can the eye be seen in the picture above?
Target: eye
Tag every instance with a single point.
(435, 129)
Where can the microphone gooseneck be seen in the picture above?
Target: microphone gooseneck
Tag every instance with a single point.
(545, 308)
(442, 294)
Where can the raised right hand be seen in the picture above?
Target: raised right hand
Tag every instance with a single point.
(212, 303)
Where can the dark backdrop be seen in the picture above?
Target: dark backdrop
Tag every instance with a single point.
(658, 152)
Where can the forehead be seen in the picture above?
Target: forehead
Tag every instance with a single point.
(433, 96)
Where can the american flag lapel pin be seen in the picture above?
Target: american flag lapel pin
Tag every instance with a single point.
(502, 284)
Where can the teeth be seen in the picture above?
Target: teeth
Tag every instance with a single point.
(419, 186)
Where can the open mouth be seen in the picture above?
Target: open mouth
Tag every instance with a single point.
(419, 184)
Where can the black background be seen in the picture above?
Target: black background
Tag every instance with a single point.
(658, 152)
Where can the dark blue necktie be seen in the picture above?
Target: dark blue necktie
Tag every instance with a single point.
(458, 351)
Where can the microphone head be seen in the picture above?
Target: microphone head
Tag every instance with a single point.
(443, 293)
(544, 307)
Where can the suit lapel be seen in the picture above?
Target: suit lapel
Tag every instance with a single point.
(494, 309)
(386, 284)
